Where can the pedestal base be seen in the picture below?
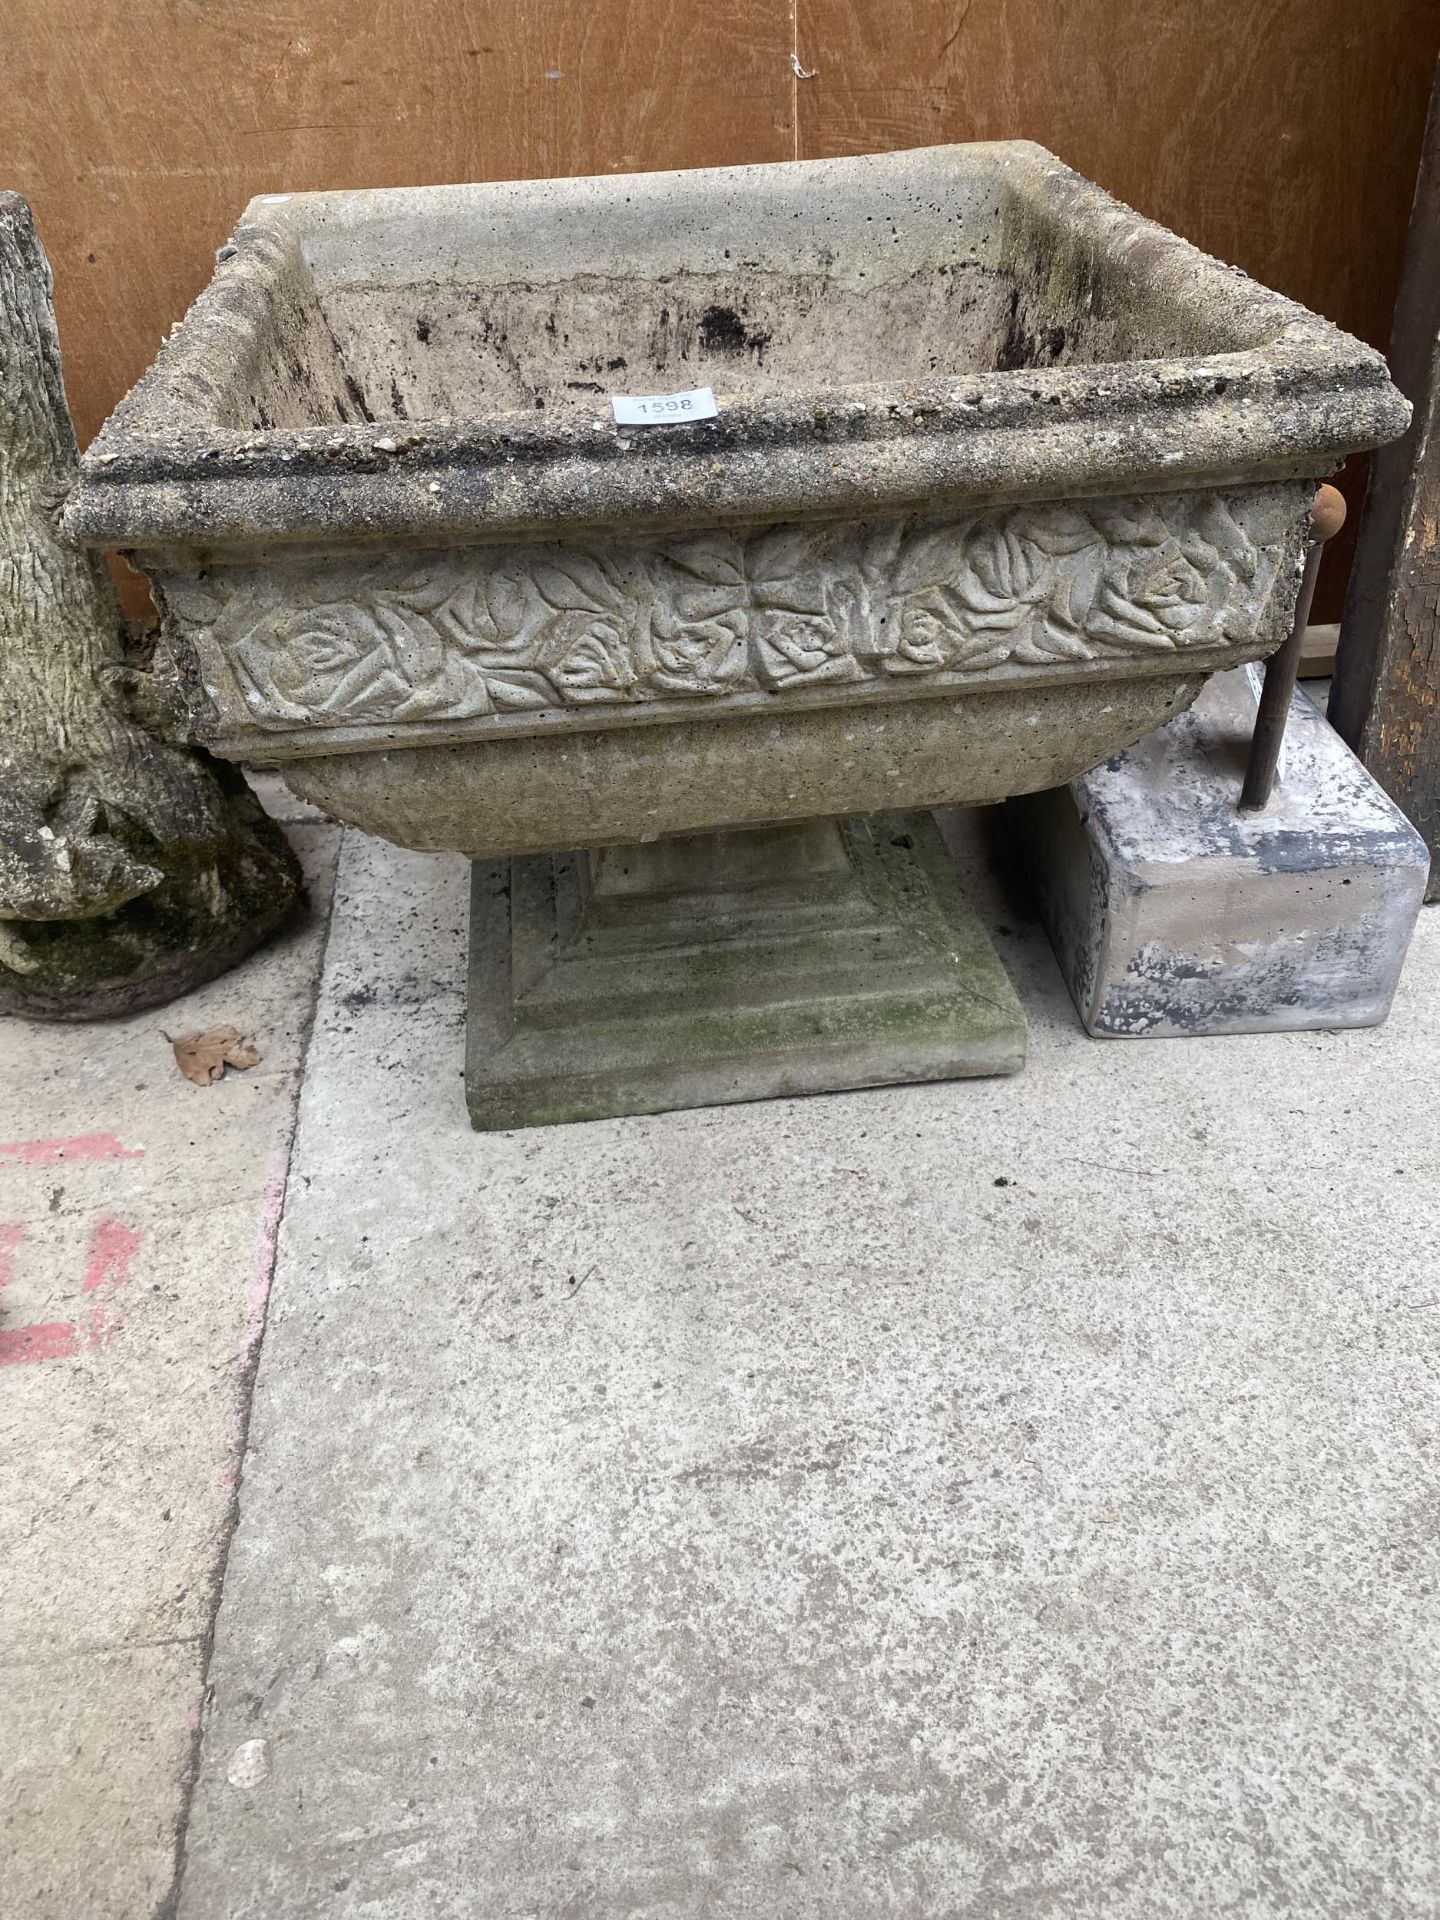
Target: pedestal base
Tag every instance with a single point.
(733, 966)
(1171, 912)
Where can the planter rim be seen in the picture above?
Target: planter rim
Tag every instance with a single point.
(1292, 396)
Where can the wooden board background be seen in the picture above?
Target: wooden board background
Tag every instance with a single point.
(1385, 700)
(1279, 134)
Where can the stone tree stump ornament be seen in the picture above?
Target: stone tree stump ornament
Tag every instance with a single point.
(131, 867)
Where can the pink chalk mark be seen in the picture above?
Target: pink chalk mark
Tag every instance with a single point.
(52, 1340)
(113, 1246)
(77, 1146)
(263, 1267)
(12, 1232)
(262, 1271)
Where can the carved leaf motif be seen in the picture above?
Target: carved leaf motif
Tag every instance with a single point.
(1055, 530)
(489, 612)
(1045, 643)
(975, 652)
(510, 689)
(715, 560)
(1129, 523)
(933, 557)
(780, 558)
(571, 581)
(1007, 576)
(423, 592)
(508, 603)
(1077, 582)
(880, 554)
(1220, 532)
(684, 596)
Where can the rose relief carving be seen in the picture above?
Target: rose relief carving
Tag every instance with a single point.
(710, 616)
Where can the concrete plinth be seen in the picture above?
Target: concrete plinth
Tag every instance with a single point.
(728, 966)
(1171, 912)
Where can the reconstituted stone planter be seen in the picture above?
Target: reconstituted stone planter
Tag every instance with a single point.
(1000, 473)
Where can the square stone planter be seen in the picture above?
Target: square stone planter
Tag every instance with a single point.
(1000, 474)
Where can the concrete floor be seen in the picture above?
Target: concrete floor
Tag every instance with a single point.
(137, 1224)
(1008, 1499)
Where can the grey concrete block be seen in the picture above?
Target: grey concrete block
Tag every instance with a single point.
(1171, 912)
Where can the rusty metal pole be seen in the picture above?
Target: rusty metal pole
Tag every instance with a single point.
(1327, 516)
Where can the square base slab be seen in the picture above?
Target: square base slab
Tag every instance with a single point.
(1171, 912)
(733, 966)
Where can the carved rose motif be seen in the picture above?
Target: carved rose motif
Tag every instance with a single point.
(722, 613)
(1026, 589)
(925, 633)
(1153, 596)
(341, 658)
(699, 656)
(800, 649)
(587, 659)
(802, 626)
(494, 612)
(1006, 577)
(321, 650)
(487, 624)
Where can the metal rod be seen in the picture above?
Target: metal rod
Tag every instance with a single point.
(1327, 516)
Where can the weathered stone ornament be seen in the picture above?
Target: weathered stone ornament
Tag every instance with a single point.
(131, 868)
(1000, 473)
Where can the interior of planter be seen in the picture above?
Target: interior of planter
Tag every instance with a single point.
(454, 304)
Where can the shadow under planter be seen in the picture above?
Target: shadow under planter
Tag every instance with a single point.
(1000, 473)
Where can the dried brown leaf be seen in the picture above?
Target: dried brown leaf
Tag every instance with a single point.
(203, 1057)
